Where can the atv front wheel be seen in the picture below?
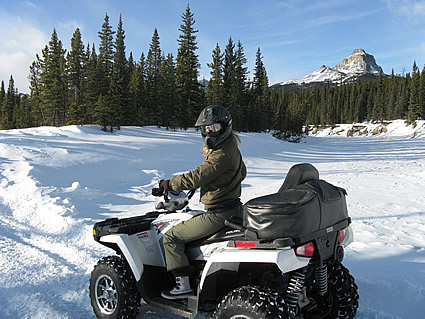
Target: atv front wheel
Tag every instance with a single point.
(342, 298)
(113, 291)
(251, 303)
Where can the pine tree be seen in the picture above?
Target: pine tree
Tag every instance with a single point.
(75, 63)
(2, 96)
(17, 110)
(53, 82)
(260, 109)
(103, 75)
(294, 118)
(422, 94)
(229, 78)
(360, 112)
(104, 112)
(203, 92)
(370, 100)
(153, 80)
(75, 66)
(23, 118)
(91, 84)
(137, 89)
(414, 109)
(2, 93)
(288, 117)
(378, 105)
(141, 112)
(353, 96)
(134, 103)
(280, 105)
(131, 64)
(167, 91)
(235, 83)
(8, 107)
(35, 93)
(36, 87)
(392, 96)
(241, 88)
(119, 80)
(312, 98)
(187, 70)
(400, 110)
(215, 93)
(106, 56)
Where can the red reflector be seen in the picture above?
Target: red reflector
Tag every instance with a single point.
(306, 250)
(245, 244)
(341, 236)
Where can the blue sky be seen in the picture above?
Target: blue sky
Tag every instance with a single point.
(296, 37)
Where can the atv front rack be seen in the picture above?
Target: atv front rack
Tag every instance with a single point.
(129, 226)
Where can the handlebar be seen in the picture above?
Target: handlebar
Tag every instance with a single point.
(158, 192)
(172, 200)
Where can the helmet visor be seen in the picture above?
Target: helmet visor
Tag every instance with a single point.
(211, 130)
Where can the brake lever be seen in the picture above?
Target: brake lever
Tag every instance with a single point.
(166, 199)
(191, 193)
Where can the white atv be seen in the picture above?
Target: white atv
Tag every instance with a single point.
(282, 260)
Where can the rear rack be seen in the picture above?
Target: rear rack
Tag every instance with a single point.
(323, 232)
(251, 240)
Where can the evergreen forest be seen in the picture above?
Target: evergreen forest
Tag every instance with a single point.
(105, 86)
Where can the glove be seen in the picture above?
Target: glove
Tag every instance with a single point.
(163, 187)
(164, 184)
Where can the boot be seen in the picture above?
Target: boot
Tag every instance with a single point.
(180, 291)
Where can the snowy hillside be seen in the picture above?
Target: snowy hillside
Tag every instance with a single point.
(55, 183)
(357, 65)
(324, 74)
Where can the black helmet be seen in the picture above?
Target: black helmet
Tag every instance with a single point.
(215, 122)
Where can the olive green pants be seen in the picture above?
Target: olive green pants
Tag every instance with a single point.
(195, 228)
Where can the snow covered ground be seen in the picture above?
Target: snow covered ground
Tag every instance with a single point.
(56, 182)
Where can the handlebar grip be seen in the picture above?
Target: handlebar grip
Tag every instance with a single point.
(157, 192)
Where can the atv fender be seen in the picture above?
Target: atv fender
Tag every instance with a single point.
(229, 259)
(137, 249)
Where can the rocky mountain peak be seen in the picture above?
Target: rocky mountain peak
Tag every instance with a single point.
(359, 62)
(359, 65)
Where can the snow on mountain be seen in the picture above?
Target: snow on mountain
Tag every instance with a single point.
(358, 64)
(324, 74)
(55, 183)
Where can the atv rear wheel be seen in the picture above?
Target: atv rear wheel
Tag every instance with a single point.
(342, 298)
(113, 291)
(251, 303)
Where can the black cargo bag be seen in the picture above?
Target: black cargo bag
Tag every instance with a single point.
(296, 212)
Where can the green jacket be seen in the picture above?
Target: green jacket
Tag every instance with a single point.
(219, 176)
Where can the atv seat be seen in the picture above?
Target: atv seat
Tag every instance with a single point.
(299, 174)
(302, 206)
(225, 234)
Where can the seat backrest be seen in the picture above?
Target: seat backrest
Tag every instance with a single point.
(298, 174)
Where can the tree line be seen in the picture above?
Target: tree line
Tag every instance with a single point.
(103, 86)
(387, 97)
(89, 86)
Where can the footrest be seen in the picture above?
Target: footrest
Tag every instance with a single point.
(175, 307)
(192, 304)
